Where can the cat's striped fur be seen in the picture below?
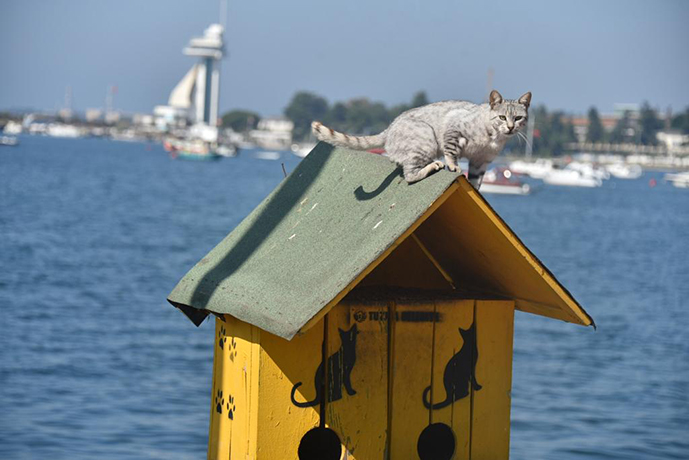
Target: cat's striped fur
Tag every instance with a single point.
(419, 137)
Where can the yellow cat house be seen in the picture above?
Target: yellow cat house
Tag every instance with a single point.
(360, 317)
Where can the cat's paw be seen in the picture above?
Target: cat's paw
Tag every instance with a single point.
(438, 165)
(452, 168)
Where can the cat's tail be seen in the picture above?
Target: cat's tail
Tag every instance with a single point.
(440, 405)
(329, 135)
(302, 404)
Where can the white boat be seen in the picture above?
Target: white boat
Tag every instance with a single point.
(301, 150)
(679, 180)
(589, 170)
(266, 155)
(226, 150)
(8, 141)
(502, 181)
(63, 130)
(571, 178)
(537, 169)
(12, 127)
(625, 171)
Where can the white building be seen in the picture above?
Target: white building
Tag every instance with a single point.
(672, 139)
(273, 133)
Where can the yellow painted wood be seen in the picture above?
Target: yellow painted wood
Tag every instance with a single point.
(410, 374)
(250, 380)
(360, 420)
(396, 270)
(384, 254)
(491, 405)
(486, 256)
(434, 261)
(281, 425)
(230, 425)
(219, 432)
(448, 342)
(398, 356)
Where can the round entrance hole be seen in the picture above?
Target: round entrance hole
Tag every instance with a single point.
(436, 442)
(320, 444)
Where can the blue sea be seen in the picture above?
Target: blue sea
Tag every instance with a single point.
(94, 363)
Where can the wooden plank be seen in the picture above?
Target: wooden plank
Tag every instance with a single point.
(283, 364)
(410, 370)
(453, 370)
(357, 406)
(395, 269)
(230, 397)
(491, 405)
(219, 430)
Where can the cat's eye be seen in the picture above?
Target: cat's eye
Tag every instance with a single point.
(503, 117)
(517, 118)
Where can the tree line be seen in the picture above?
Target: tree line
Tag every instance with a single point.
(553, 130)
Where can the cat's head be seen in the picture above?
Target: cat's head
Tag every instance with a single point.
(348, 336)
(506, 116)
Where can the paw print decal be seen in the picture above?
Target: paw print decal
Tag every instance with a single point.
(233, 349)
(222, 337)
(231, 408)
(219, 402)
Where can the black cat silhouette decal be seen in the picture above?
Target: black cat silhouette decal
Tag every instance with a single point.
(340, 365)
(460, 371)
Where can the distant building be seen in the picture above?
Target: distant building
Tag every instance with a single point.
(672, 139)
(273, 133)
(195, 98)
(142, 119)
(112, 118)
(93, 115)
(581, 125)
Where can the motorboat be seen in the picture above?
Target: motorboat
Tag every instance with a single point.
(589, 170)
(301, 150)
(266, 155)
(502, 181)
(624, 171)
(679, 180)
(537, 169)
(571, 178)
(190, 150)
(8, 141)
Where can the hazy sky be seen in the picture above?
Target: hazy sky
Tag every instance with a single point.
(571, 54)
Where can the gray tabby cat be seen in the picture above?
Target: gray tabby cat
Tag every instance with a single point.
(417, 138)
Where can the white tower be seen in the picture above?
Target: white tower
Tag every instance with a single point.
(210, 49)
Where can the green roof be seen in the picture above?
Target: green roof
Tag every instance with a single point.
(306, 243)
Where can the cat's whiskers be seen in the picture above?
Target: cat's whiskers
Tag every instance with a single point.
(522, 136)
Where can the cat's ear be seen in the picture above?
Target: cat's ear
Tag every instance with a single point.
(525, 100)
(495, 98)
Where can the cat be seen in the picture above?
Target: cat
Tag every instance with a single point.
(340, 365)
(460, 371)
(417, 138)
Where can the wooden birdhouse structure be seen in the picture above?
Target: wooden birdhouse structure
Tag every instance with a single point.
(360, 317)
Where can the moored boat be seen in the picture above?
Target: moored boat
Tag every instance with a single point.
(502, 181)
(679, 180)
(8, 141)
(537, 169)
(190, 150)
(571, 178)
(624, 171)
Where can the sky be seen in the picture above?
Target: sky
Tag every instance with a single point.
(571, 55)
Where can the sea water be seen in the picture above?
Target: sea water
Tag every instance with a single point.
(94, 363)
